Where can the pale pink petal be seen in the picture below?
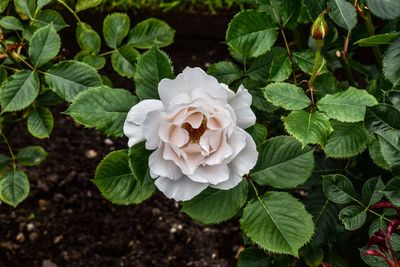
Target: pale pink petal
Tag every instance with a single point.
(233, 181)
(221, 153)
(246, 159)
(241, 103)
(151, 128)
(180, 190)
(134, 132)
(161, 167)
(173, 134)
(238, 141)
(138, 112)
(195, 119)
(211, 174)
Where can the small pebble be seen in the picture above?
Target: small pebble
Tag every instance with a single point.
(30, 227)
(90, 154)
(33, 236)
(20, 237)
(108, 142)
(57, 239)
(48, 263)
(43, 204)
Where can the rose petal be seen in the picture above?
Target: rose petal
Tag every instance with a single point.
(134, 132)
(151, 129)
(241, 103)
(246, 159)
(221, 153)
(233, 181)
(162, 167)
(180, 190)
(195, 119)
(211, 174)
(138, 112)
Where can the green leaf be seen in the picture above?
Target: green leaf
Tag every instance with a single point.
(382, 117)
(348, 105)
(138, 161)
(40, 122)
(326, 84)
(31, 155)
(394, 98)
(3, 5)
(308, 128)
(386, 9)
(19, 91)
(152, 66)
(94, 61)
(44, 45)
(4, 161)
(42, 3)
(215, 206)
(378, 224)
(392, 191)
(371, 191)
(85, 4)
(390, 146)
(117, 183)
(305, 61)
(380, 39)
(251, 33)
(115, 29)
(279, 158)
(11, 23)
(395, 242)
(353, 217)
(14, 187)
(259, 67)
(103, 108)
(68, 78)
(347, 140)
(281, 68)
(25, 7)
(258, 132)
(151, 32)
(374, 149)
(273, 223)
(325, 215)
(46, 17)
(338, 188)
(124, 60)
(286, 95)
(342, 13)
(225, 71)
(88, 39)
(391, 67)
(253, 257)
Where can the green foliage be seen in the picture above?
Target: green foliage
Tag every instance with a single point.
(115, 29)
(31, 155)
(253, 257)
(85, 4)
(287, 96)
(251, 33)
(151, 32)
(202, 208)
(44, 45)
(308, 127)
(103, 108)
(338, 188)
(14, 187)
(124, 60)
(279, 158)
(371, 191)
(343, 13)
(225, 72)
(272, 221)
(347, 106)
(391, 68)
(88, 39)
(392, 191)
(117, 183)
(40, 122)
(353, 217)
(151, 67)
(386, 9)
(379, 39)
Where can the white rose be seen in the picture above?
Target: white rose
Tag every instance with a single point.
(196, 130)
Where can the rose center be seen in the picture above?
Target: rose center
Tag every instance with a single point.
(195, 133)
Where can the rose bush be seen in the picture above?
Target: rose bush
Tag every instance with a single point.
(196, 130)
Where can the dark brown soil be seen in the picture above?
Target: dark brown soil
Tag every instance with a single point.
(66, 222)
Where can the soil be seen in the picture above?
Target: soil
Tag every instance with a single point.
(66, 222)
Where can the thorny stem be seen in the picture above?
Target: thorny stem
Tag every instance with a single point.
(69, 9)
(343, 58)
(284, 40)
(371, 32)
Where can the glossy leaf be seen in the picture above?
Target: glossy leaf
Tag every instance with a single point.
(151, 32)
(382, 117)
(103, 108)
(85, 4)
(40, 122)
(124, 60)
(69, 78)
(88, 39)
(390, 146)
(44, 45)
(138, 161)
(348, 105)
(115, 29)
(152, 66)
(371, 191)
(19, 91)
(31, 155)
(308, 127)
(347, 140)
(279, 158)
(287, 96)
(342, 13)
(203, 207)
(338, 188)
(386, 9)
(46, 17)
(353, 217)
(391, 67)
(392, 191)
(225, 71)
(380, 39)
(253, 257)
(281, 68)
(11, 23)
(273, 223)
(251, 33)
(25, 7)
(14, 187)
(117, 183)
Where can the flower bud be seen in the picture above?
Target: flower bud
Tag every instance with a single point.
(319, 29)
